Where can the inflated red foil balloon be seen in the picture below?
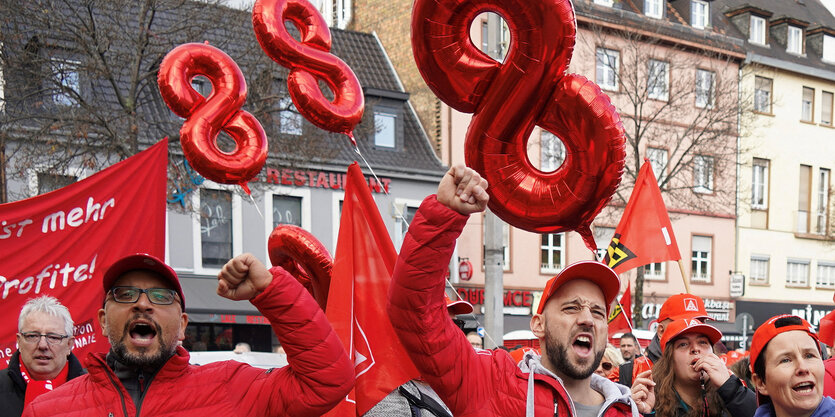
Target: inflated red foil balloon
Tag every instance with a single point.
(309, 61)
(303, 256)
(508, 99)
(207, 116)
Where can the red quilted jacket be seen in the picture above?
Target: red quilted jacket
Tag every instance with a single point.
(318, 376)
(471, 383)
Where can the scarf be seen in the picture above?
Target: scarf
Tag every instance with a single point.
(34, 388)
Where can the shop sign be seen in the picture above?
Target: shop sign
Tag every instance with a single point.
(719, 310)
(515, 301)
(320, 179)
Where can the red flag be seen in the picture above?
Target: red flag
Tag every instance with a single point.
(60, 243)
(644, 234)
(620, 315)
(362, 269)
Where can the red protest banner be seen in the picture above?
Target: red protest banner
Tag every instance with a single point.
(60, 243)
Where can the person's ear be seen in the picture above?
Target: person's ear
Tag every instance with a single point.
(759, 383)
(538, 325)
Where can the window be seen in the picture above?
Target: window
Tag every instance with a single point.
(762, 94)
(289, 118)
(552, 253)
(797, 273)
(759, 184)
(699, 14)
(215, 227)
(287, 209)
(804, 199)
(384, 123)
(659, 80)
(66, 82)
(705, 88)
(757, 34)
(404, 211)
(602, 239)
(505, 246)
(552, 152)
(823, 202)
(759, 269)
(343, 13)
(604, 2)
(607, 68)
(829, 48)
(202, 85)
(700, 261)
(654, 8)
(50, 182)
(655, 271)
(807, 106)
(485, 37)
(826, 275)
(703, 174)
(658, 160)
(794, 43)
(826, 108)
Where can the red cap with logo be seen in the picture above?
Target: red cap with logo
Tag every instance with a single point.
(692, 325)
(458, 307)
(142, 261)
(683, 306)
(774, 326)
(594, 271)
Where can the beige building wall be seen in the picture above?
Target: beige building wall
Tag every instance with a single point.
(775, 234)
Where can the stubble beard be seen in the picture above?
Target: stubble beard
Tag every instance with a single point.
(558, 355)
(143, 359)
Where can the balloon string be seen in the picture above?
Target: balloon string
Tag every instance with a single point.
(402, 218)
(256, 206)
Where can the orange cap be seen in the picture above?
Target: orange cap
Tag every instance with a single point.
(774, 326)
(683, 306)
(682, 326)
(594, 271)
(458, 307)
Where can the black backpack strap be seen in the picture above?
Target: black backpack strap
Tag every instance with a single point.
(423, 402)
(625, 377)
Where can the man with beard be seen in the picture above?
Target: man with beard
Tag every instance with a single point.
(570, 323)
(146, 372)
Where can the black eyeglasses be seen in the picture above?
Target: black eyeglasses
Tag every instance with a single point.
(607, 366)
(128, 295)
(35, 337)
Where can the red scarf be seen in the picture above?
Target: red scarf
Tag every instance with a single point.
(34, 388)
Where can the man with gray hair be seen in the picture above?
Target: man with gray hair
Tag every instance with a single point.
(44, 358)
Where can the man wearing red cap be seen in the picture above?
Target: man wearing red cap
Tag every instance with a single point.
(146, 372)
(570, 323)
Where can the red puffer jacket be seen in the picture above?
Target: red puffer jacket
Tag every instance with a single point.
(318, 376)
(471, 383)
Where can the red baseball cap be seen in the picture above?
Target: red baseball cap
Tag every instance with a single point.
(458, 307)
(594, 271)
(683, 306)
(774, 326)
(692, 325)
(142, 261)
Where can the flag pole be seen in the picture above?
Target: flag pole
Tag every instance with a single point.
(684, 276)
(628, 317)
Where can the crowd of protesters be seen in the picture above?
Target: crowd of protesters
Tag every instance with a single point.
(574, 373)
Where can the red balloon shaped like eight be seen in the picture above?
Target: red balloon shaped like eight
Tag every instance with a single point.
(508, 99)
(207, 116)
(309, 61)
(303, 256)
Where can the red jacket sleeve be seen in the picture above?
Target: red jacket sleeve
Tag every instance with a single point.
(319, 373)
(417, 309)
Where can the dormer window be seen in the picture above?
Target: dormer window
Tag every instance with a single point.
(757, 34)
(654, 8)
(794, 41)
(699, 14)
(829, 48)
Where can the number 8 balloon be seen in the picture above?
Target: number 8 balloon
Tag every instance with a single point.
(508, 99)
